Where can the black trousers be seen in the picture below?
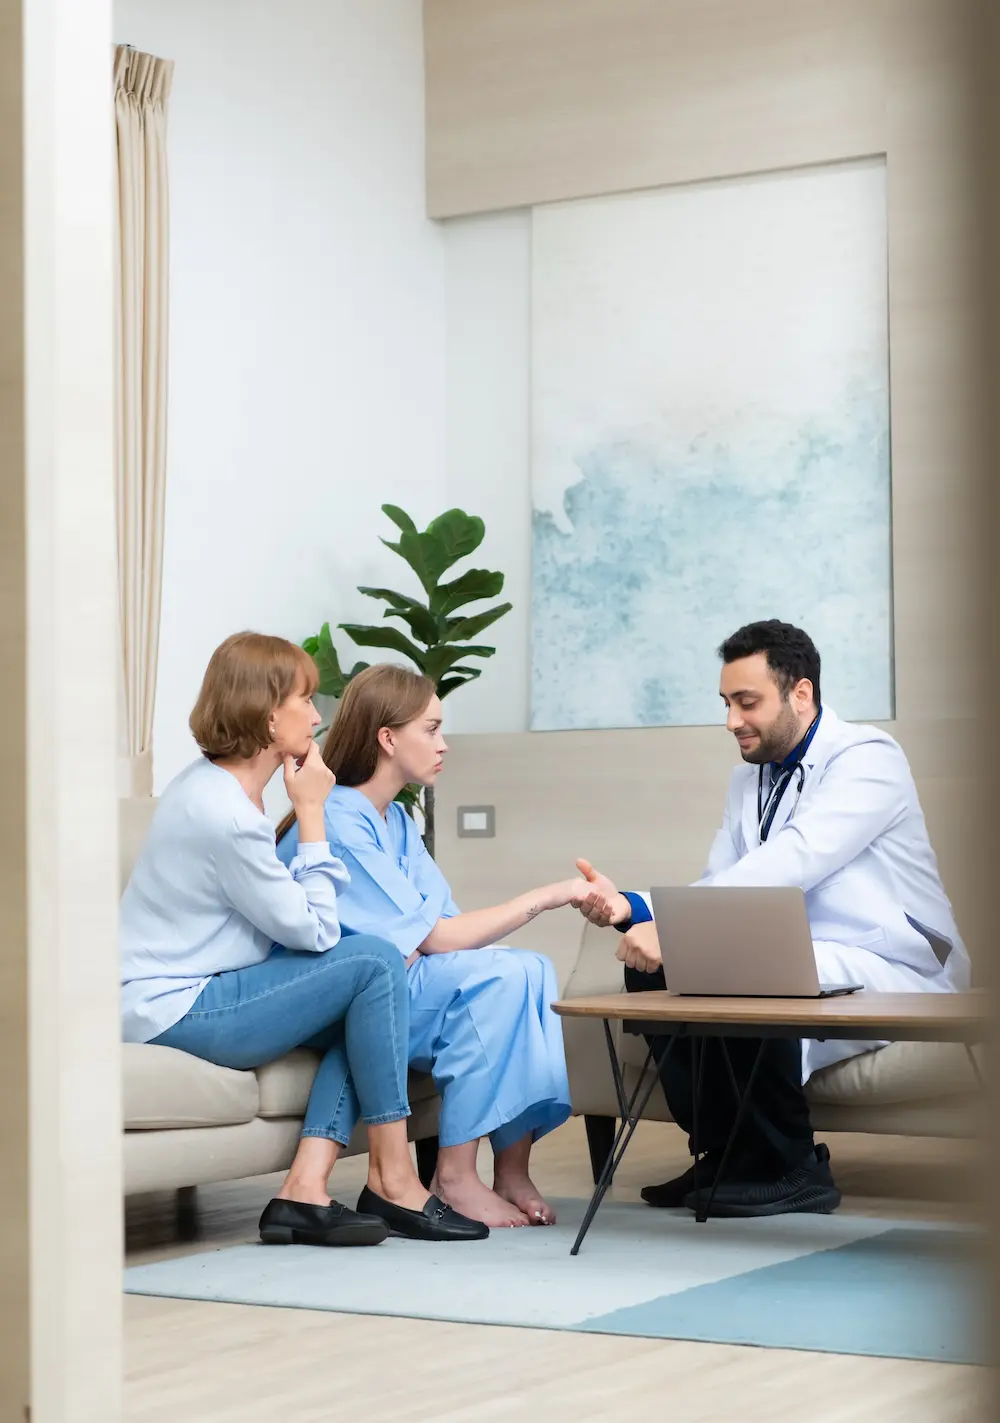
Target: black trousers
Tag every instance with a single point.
(776, 1133)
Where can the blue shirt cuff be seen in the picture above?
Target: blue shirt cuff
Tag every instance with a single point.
(640, 911)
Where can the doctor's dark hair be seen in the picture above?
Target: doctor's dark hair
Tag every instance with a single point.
(791, 653)
(383, 695)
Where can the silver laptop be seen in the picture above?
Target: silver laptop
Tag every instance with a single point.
(739, 943)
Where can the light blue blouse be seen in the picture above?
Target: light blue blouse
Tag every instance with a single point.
(208, 894)
(395, 889)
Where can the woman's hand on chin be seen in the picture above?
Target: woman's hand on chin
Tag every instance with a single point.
(309, 782)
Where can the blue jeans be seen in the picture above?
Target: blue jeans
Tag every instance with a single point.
(350, 1003)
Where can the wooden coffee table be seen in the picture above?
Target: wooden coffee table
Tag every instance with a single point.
(878, 1017)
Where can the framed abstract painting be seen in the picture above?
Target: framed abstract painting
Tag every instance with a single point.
(710, 441)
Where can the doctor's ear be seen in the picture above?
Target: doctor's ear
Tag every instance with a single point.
(386, 741)
(803, 693)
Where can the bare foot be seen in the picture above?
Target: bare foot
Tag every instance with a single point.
(520, 1190)
(467, 1195)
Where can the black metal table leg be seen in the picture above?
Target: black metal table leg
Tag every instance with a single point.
(975, 1065)
(616, 1071)
(702, 1208)
(698, 1045)
(729, 1069)
(633, 1110)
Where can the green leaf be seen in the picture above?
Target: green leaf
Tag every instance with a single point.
(423, 556)
(442, 659)
(459, 533)
(322, 651)
(474, 584)
(408, 798)
(422, 624)
(460, 629)
(400, 518)
(384, 637)
(388, 595)
(448, 684)
(451, 536)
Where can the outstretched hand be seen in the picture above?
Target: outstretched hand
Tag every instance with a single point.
(601, 904)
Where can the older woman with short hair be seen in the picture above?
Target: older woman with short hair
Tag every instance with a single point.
(236, 958)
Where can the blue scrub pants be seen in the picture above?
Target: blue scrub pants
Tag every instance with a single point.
(481, 1023)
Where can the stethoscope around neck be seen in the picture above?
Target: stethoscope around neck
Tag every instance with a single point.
(768, 809)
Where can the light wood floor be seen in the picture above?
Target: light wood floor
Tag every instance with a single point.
(210, 1363)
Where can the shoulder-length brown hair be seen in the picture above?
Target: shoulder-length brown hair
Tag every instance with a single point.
(384, 695)
(247, 677)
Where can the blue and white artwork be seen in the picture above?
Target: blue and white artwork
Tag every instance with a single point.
(710, 442)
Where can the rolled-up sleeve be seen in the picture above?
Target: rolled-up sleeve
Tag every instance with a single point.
(295, 906)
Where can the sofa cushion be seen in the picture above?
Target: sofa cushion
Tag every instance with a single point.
(901, 1072)
(283, 1086)
(164, 1089)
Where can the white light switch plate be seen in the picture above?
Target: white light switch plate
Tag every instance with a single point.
(476, 822)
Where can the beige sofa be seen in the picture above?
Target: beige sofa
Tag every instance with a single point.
(188, 1122)
(906, 1089)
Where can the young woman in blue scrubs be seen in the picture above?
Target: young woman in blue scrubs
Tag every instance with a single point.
(480, 1016)
(234, 957)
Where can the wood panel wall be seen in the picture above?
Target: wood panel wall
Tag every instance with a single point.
(533, 101)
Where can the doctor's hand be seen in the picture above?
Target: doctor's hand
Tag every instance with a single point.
(602, 904)
(640, 948)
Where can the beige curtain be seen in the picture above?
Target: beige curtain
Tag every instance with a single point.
(141, 90)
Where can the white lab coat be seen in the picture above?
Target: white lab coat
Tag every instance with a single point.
(856, 842)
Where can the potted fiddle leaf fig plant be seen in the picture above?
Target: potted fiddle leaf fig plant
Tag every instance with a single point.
(440, 638)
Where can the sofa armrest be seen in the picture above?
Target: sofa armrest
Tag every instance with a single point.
(596, 969)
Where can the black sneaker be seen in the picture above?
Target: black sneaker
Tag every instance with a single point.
(806, 1188)
(670, 1194)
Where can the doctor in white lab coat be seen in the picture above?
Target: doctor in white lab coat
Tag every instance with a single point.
(832, 808)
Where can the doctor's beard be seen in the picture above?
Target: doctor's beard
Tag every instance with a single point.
(777, 740)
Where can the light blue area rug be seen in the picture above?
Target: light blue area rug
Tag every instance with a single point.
(839, 1284)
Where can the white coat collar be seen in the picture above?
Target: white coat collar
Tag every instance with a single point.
(817, 755)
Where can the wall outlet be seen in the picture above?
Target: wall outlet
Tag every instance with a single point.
(476, 822)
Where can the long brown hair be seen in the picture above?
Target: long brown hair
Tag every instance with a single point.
(248, 676)
(384, 695)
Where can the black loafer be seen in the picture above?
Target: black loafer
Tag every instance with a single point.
(296, 1223)
(808, 1188)
(435, 1222)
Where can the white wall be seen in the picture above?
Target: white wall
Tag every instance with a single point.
(489, 335)
(307, 343)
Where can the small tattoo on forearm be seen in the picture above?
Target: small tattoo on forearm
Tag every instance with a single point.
(535, 909)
